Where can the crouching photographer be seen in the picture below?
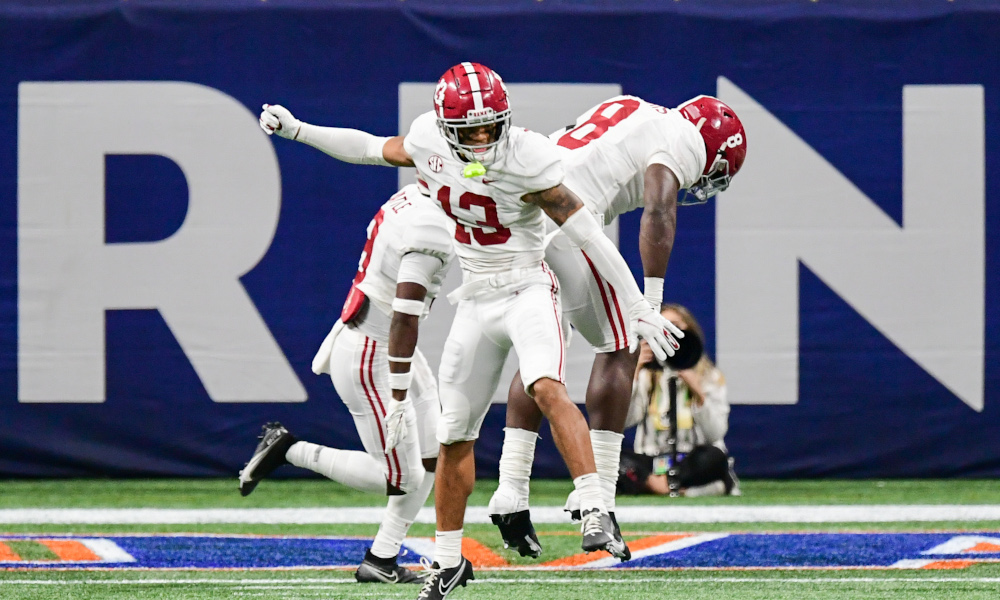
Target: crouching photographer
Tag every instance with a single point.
(679, 454)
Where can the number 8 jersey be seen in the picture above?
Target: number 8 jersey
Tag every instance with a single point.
(495, 230)
(608, 149)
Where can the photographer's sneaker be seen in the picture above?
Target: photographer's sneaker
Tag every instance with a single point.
(440, 582)
(600, 532)
(512, 517)
(268, 456)
(715, 488)
(375, 569)
(731, 480)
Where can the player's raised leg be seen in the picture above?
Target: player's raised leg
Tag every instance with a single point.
(597, 315)
(534, 320)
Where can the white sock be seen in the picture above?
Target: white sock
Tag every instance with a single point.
(448, 548)
(607, 454)
(589, 488)
(349, 467)
(399, 515)
(516, 457)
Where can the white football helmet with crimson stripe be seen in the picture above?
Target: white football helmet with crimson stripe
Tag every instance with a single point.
(472, 95)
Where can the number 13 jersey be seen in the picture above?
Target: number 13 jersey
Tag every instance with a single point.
(495, 230)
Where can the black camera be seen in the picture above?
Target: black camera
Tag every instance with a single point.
(687, 356)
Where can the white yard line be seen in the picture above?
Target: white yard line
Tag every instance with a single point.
(877, 513)
(322, 583)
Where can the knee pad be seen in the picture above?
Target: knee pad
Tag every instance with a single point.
(414, 477)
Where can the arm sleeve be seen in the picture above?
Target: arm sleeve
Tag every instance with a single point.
(349, 145)
(418, 268)
(712, 417)
(582, 228)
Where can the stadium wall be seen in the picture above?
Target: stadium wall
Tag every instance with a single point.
(167, 270)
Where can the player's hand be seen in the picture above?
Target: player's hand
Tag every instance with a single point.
(659, 333)
(277, 119)
(395, 422)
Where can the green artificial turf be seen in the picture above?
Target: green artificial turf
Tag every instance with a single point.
(293, 493)
(980, 581)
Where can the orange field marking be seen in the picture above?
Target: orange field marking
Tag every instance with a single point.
(7, 554)
(635, 545)
(949, 564)
(984, 547)
(481, 556)
(656, 540)
(70, 550)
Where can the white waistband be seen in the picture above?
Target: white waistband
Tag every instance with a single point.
(475, 283)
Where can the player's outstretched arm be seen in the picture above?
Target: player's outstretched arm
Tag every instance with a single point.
(580, 226)
(657, 229)
(349, 145)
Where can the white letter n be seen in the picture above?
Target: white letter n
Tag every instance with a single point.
(921, 285)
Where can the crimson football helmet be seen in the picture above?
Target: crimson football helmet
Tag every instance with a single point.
(725, 146)
(472, 95)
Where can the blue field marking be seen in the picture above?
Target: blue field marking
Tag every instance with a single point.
(816, 550)
(709, 551)
(221, 552)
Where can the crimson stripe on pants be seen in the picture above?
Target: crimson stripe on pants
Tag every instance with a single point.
(395, 456)
(607, 306)
(368, 395)
(618, 310)
(555, 307)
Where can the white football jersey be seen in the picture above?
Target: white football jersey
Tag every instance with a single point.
(407, 222)
(494, 229)
(608, 150)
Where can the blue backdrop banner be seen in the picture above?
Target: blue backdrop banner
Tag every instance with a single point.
(167, 270)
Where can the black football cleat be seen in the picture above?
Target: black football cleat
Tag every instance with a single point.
(441, 582)
(599, 533)
(268, 456)
(375, 569)
(518, 532)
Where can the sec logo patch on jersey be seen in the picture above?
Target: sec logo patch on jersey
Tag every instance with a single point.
(435, 163)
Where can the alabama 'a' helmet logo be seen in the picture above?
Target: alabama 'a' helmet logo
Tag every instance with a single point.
(439, 97)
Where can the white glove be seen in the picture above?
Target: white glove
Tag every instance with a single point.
(395, 422)
(659, 333)
(277, 119)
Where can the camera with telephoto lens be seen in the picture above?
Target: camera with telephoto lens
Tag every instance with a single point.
(687, 356)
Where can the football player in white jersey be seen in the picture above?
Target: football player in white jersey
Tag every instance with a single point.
(497, 183)
(395, 408)
(621, 155)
